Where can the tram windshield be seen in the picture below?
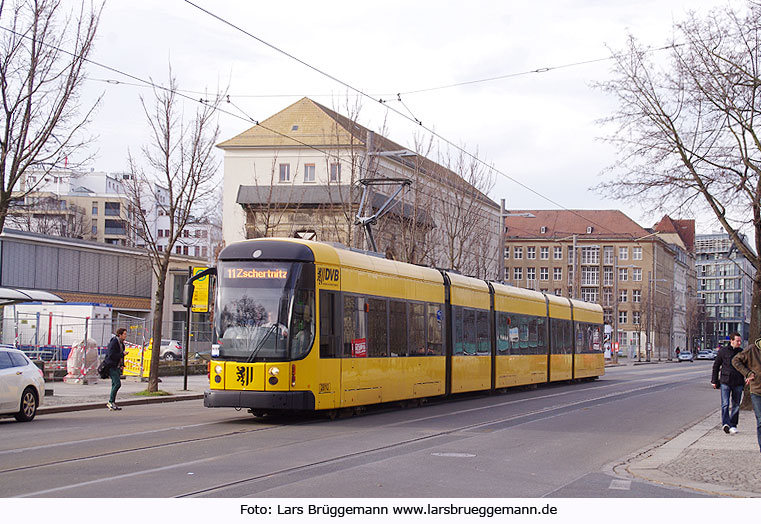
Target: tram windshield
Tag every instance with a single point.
(264, 311)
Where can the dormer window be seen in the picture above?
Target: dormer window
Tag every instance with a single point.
(589, 229)
(543, 229)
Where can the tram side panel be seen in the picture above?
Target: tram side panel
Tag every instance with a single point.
(471, 344)
(561, 339)
(590, 359)
(392, 346)
(522, 345)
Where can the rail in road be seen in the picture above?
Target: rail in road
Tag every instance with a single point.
(233, 456)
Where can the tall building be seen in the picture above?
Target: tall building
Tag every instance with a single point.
(297, 174)
(725, 288)
(641, 277)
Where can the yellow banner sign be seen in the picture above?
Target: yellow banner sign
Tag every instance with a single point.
(200, 292)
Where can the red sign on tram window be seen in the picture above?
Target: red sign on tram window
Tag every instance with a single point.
(359, 347)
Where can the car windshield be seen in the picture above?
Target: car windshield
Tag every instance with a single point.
(264, 311)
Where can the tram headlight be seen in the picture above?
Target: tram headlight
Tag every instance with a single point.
(274, 371)
(218, 369)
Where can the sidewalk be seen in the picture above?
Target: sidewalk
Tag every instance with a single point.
(706, 459)
(75, 397)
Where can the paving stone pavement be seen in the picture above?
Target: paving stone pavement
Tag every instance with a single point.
(706, 459)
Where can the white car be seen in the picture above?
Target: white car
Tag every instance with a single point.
(170, 350)
(22, 385)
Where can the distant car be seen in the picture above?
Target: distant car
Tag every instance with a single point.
(170, 350)
(22, 385)
(706, 354)
(685, 355)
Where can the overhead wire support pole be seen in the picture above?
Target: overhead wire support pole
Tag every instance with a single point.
(367, 222)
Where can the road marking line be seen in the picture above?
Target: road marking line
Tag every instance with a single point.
(624, 485)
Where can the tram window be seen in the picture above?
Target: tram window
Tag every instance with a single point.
(417, 329)
(533, 335)
(377, 321)
(398, 328)
(483, 346)
(355, 327)
(435, 329)
(562, 341)
(469, 331)
(541, 339)
(503, 333)
(329, 340)
(457, 330)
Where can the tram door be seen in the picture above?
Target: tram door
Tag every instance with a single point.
(328, 389)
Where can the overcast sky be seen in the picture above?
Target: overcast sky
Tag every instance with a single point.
(538, 128)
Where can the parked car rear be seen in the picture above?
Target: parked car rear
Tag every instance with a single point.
(170, 350)
(22, 385)
(706, 354)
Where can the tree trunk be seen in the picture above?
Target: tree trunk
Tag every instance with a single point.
(158, 319)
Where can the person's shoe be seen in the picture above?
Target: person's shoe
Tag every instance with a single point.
(732, 431)
(726, 428)
(111, 406)
(116, 408)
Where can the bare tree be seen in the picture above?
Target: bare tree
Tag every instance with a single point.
(178, 180)
(43, 52)
(465, 228)
(688, 134)
(50, 215)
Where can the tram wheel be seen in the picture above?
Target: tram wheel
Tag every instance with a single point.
(258, 413)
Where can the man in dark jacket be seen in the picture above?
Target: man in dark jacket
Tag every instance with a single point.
(115, 362)
(731, 382)
(749, 364)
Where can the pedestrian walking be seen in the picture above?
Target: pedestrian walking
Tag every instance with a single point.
(115, 362)
(730, 381)
(749, 364)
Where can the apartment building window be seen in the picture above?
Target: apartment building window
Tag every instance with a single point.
(607, 276)
(637, 274)
(570, 254)
(623, 274)
(94, 208)
(178, 250)
(204, 251)
(557, 273)
(94, 227)
(636, 253)
(544, 273)
(530, 273)
(160, 247)
(623, 295)
(335, 172)
(184, 250)
(507, 253)
(590, 255)
(558, 252)
(531, 253)
(607, 255)
(590, 276)
(558, 292)
(544, 253)
(309, 173)
(507, 273)
(570, 275)
(518, 273)
(607, 296)
(623, 253)
(285, 172)
(636, 317)
(161, 233)
(622, 317)
(185, 233)
(607, 316)
(636, 296)
(589, 294)
(197, 251)
(518, 253)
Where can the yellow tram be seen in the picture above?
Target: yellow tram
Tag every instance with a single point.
(308, 326)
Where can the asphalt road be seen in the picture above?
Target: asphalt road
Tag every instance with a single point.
(555, 441)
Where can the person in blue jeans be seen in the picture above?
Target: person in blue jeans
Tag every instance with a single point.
(749, 364)
(731, 382)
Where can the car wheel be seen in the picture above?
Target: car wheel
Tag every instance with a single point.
(169, 356)
(28, 408)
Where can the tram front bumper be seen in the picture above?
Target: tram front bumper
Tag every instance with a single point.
(303, 400)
